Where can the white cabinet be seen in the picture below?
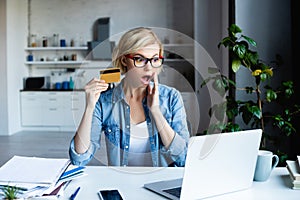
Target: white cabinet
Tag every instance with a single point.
(31, 109)
(52, 108)
(74, 104)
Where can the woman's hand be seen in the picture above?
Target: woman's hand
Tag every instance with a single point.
(93, 90)
(153, 95)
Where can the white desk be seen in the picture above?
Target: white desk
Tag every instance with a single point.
(129, 181)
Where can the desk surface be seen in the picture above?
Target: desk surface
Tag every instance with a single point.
(130, 180)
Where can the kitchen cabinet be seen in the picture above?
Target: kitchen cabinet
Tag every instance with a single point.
(31, 109)
(58, 57)
(74, 105)
(52, 108)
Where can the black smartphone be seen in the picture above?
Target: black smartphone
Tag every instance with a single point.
(110, 195)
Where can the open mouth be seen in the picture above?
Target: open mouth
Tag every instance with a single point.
(146, 79)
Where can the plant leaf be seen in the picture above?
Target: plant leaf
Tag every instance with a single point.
(240, 50)
(270, 95)
(234, 29)
(219, 86)
(226, 42)
(213, 70)
(235, 65)
(249, 40)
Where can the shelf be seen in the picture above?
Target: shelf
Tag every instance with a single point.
(178, 45)
(56, 62)
(178, 60)
(55, 48)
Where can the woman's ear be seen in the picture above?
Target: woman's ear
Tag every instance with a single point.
(123, 61)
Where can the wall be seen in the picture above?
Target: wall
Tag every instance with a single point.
(3, 70)
(17, 20)
(210, 28)
(268, 22)
(74, 19)
(14, 22)
(71, 19)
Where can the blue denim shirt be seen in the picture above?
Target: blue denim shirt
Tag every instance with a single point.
(112, 116)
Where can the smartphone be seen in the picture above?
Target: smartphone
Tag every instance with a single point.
(110, 195)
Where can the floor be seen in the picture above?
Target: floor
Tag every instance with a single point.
(48, 144)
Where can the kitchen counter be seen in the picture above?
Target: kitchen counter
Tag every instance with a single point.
(51, 90)
(52, 108)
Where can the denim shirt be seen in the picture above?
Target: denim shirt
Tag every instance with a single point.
(112, 116)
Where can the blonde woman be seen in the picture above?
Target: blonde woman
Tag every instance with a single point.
(144, 122)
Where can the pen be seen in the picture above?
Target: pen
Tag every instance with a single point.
(72, 197)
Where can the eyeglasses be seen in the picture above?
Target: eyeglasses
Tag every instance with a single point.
(140, 61)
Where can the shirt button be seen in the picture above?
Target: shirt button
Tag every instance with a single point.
(109, 130)
(127, 126)
(127, 107)
(126, 147)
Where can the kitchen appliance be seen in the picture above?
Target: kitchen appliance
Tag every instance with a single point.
(34, 83)
(101, 48)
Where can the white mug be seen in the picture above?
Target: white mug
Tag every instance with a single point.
(266, 162)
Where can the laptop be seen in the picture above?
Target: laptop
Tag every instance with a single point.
(215, 164)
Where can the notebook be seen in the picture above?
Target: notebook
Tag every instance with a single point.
(215, 164)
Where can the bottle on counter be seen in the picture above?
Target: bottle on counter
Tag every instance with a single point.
(71, 83)
(55, 40)
(33, 40)
(45, 41)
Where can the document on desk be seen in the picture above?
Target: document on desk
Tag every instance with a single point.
(20, 169)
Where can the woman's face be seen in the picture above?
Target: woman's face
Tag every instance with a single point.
(141, 76)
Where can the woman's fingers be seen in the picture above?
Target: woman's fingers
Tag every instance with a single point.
(155, 82)
(96, 85)
(93, 90)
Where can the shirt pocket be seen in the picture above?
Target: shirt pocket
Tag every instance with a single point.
(112, 134)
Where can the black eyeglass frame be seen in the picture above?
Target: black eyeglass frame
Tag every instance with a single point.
(148, 60)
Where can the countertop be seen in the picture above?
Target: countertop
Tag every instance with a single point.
(51, 90)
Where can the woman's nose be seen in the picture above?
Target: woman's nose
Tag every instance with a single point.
(148, 66)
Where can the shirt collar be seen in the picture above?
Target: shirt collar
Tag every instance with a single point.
(118, 93)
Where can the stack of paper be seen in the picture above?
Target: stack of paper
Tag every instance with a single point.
(294, 171)
(32, 175)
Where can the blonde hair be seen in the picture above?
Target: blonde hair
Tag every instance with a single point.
(132, 41)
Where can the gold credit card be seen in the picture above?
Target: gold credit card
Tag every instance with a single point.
(110, 75)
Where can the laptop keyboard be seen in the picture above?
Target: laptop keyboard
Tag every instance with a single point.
(174, 191)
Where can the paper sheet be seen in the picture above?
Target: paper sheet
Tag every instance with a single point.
(33, 170)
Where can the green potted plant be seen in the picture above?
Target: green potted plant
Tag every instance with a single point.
(259, 95)
(10, 192)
